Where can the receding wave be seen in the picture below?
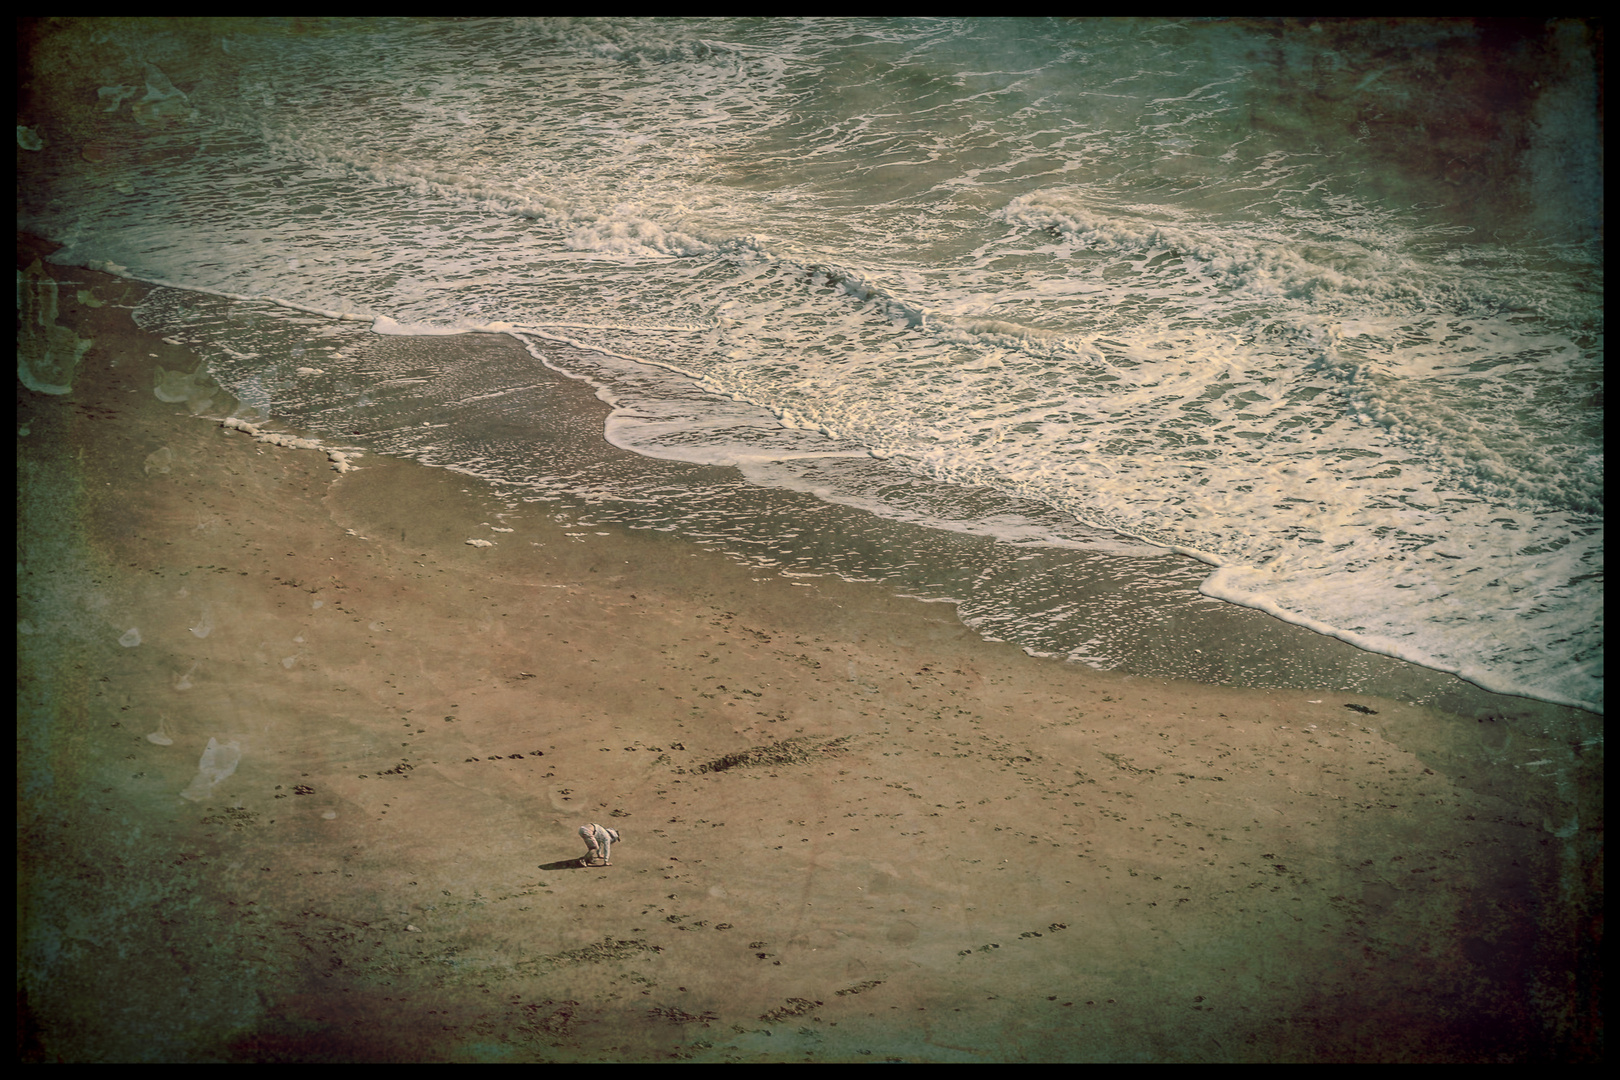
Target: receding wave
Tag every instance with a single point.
(1023, 279)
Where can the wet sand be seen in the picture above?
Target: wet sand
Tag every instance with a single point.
(852, 829)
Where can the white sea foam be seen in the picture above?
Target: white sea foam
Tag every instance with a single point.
(1118, 288)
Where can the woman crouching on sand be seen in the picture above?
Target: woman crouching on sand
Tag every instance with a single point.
(598, 844)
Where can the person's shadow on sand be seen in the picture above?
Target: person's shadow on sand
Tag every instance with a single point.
(564, 864)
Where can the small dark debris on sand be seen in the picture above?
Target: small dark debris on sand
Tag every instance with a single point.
(606, 949)
(792, 1007)
(787, 752)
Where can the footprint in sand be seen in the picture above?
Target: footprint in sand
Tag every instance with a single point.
(47, 352)
(195, 388)
(902, 932)
(130, 638)
(159, 461)
(205, 625)
(218, 762)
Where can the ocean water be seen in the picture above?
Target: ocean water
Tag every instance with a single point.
(1309, 314)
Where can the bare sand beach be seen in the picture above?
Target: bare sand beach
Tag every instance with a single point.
(301, 773)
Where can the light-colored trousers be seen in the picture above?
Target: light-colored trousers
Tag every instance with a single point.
(598, 841)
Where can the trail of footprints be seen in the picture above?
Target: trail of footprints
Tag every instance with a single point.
(1051, 928)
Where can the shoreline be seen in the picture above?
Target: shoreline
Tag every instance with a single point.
(951, 850)
(1251, 629)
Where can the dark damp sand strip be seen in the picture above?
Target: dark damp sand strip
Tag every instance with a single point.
(958, 852)
(1145, 610)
